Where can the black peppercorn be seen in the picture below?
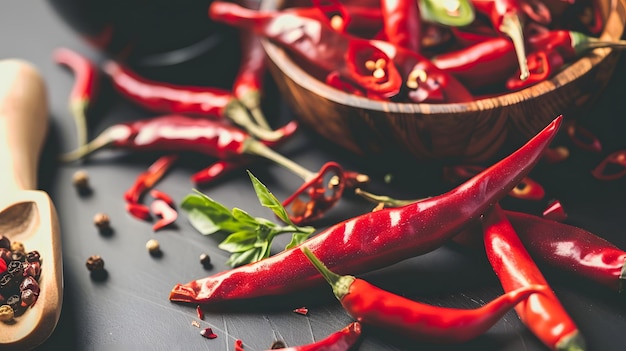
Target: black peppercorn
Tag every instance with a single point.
(7, 284)
(15, 268)
(33, 256)
(205, 260)
(95, 263)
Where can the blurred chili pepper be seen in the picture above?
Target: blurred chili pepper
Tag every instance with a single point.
(612, 167)
(448, 13)
(480, 65)
(542, 65)
(149, 178)
(373, 65)
(83, 90)
(536, 11)
(163, 97)
(373, 240)
(542, 313)
(222, 167)
(341, 340)
(505, 18)
(372, 305)
(179, 133)
(583, 138)
(570, 44)
(402, 23)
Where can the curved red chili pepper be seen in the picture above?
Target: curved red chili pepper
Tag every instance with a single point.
(83, 90)
(402, 23)
(372, 305)
(486, 63)
(139, 211)
(583, 138)
(341, 340)
(376, 239)
(543, 313)
(612, 167)
(149, 178)
(163, 97)
(542, 66)
(164, 210)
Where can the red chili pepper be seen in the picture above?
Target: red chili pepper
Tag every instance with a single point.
(208, 333)
(570, 44)
(222, 167)
(542, 65)
(543, 313)
(536, 11)
(168, 98)
(504, 16)
(373, 65)
(159, 195)
(583, 138)
(199, 312)
(480, 65)
(402, 23)
(139, 211)
(83, 90)
(372, 305)
(373, 240)
(341, 340)
(302, 310)
(612, 167)
(165, 211)
(149, 178)
(238, 345)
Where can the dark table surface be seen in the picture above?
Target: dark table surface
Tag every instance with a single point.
(130, 309)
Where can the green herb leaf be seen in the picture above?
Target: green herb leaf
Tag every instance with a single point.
(238, 242)
(268, 199)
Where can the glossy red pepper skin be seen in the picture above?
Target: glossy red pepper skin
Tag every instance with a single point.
(543, 313)
(162, 97)
(542, 66)
(248, 83)
(402, 23)
(375, 239)
(341, 340)
(418, 321)
(329, 51)
(480, 65)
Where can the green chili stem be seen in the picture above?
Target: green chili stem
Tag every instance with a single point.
(340, 283)
(85, 149)
(239, 115)
(512, 27)
(386, 200)
(78, 108)
(255, 147)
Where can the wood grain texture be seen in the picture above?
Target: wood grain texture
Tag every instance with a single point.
(472, 132)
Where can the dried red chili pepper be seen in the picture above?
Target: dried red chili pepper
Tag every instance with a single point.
(139, 211)
(402, 23)
(159, 195)
(83, 90)
(542, 66)
(505, 18)
(238, 345)
(149, 178)
(570, 44)
(341, 340)
(611, 167)
(165, 211)
(302, 310)
(199, 312)
(163, 97)
(375, 239)
(372, 305)
(543, 313)
(486, 63)
(373, 65)
(208, 333)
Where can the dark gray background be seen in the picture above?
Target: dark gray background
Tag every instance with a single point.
(130, 309)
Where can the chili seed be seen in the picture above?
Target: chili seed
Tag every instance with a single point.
(205, 260)
(378, 73)
(18, 246)
(370, 65)
(5, 242)
(153, 246)
(95, 263)
(6, 313)
(102, 222)
(336, 22)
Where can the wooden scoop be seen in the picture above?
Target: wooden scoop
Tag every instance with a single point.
(28, 215)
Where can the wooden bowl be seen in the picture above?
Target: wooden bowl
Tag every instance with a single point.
(474, 132)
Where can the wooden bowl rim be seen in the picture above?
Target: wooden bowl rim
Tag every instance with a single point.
(567, 75)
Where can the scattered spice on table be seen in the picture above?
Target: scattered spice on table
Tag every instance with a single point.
(208, 333)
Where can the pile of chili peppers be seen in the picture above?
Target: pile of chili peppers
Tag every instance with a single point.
(411, 51)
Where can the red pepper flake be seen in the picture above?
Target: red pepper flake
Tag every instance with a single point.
(555, 212)
(302, 310)
(200, 312)
(238, 345)
(159, 195)
(166, 212)
(138, 211)
(208, 333)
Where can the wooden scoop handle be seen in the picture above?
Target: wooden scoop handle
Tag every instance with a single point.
(23, 124)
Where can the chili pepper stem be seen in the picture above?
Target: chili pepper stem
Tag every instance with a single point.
(385, 200)
(255, 147)
(622, 279)
(582, 43)
(512, 27)
(78, 109)
(239, 115)
(572, 342)
(85, 149)
(251, 100)
(340, 283)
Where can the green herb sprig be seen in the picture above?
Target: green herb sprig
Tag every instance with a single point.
(249, 238)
